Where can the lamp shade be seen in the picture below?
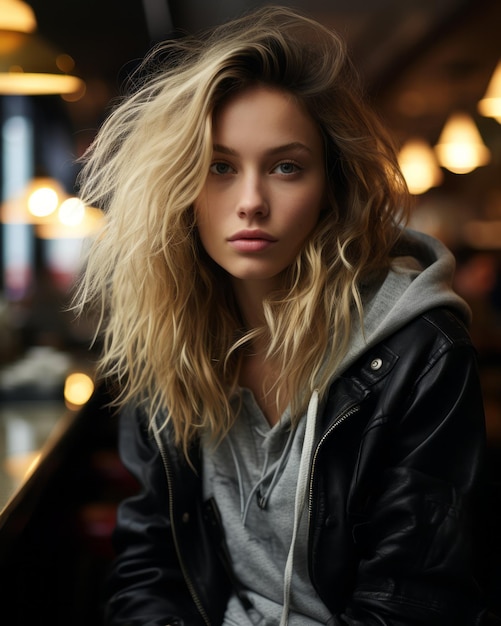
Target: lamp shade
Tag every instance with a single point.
(460, 148)
(31, 66)
(490, 105)
(17, 15)
(419, 166)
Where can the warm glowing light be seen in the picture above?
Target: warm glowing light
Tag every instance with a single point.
(89, 226)
(19, 466)
(46, 205)
(29, 65)
(72, 212)
(419, 166)
(490, 105)
(65, 63)
(78, 388)
(25, 83)
(17, 15)
(43, 202)
(35, 204)
(75, 94)
(460, 147)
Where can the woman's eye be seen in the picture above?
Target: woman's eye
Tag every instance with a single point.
(287, 168)
(220, 168)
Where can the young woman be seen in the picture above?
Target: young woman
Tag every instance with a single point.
(300, 396)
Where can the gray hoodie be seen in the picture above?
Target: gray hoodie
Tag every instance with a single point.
(258, 475)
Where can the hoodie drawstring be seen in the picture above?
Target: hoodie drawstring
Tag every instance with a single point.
(275, 472)
(300, 499)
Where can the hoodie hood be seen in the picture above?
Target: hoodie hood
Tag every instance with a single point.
(419, 279)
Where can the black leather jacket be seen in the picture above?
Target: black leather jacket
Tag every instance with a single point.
(392, 489)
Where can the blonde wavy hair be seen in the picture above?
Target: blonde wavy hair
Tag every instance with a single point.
(173, 337)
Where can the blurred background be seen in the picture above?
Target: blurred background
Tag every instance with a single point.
(431, 68)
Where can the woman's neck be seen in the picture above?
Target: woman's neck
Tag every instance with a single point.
(257, 372)
(250, 295)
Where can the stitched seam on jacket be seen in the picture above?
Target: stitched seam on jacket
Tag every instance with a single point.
(464, 341)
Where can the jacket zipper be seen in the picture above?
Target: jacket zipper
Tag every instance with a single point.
(187, 578)
(342, 418)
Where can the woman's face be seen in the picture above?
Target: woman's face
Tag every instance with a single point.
(266, 185)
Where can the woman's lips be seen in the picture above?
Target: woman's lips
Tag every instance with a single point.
(251, 241)
(250, 245)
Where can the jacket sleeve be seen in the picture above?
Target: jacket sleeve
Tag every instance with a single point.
(146, 586)
(415, 537)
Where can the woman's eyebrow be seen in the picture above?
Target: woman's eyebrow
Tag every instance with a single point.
(294, 145)
(217, 147)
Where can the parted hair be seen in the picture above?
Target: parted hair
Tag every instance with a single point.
(172, 334)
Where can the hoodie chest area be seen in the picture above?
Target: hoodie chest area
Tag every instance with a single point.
(253, 471)
(253, 475)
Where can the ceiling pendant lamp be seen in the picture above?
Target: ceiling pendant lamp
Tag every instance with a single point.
(490, 105)
(17, 15)
(28, 64)
(460, 148)
(36, 203)
(55, 215)
(419, 166)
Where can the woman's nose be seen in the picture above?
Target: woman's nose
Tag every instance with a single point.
(252, 199)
